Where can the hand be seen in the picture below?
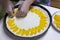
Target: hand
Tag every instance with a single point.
(23, 10)
(9, 8)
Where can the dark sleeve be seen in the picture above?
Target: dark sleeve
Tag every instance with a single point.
(42, 1)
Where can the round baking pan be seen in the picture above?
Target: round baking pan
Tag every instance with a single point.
(49, 15)
(56, 21)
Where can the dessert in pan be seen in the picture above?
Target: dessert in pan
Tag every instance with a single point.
(35, 23)
(56, 20)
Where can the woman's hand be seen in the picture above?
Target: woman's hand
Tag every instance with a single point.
(8, 7)
(23, 10)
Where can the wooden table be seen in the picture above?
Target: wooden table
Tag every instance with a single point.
(55, 3)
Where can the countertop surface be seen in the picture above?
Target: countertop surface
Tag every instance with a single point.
(51, 34)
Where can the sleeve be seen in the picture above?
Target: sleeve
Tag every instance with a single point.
(45, 2)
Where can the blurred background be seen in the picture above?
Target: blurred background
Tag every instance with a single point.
(55, 3)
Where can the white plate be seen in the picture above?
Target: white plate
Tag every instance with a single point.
(56, 13)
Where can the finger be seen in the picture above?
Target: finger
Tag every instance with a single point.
(10, 14)
(20, 2)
